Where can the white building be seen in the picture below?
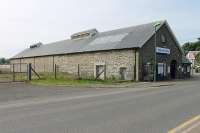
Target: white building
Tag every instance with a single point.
(191, 56)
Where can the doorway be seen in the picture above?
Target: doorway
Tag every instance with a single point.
(173, 69)
(123, 73)
(100, 72)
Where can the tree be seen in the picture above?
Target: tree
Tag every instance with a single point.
(198, 58)
(187, 47)
(4, 61)
(191, 46)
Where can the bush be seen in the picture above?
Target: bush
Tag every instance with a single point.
(197, 70)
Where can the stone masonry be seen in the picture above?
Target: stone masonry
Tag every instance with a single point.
(113, 60)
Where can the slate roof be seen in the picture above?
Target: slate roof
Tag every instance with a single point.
(131, 37)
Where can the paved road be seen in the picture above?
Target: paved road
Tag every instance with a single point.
(148, 109)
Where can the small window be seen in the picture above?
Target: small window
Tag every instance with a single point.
(163, 39)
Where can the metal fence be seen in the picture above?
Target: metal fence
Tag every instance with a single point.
(80, 71)
(5, 73)
(161, 72)
(148, 72)
(13, 73)
(20, 72)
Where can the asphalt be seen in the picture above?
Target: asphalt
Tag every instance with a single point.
(150, 108)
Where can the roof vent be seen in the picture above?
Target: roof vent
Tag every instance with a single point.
(37, 45)
(84, 34)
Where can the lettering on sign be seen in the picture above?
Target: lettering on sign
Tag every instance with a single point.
(162, 50)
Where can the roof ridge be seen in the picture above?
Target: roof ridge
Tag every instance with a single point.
(136, 38)
(128, 27)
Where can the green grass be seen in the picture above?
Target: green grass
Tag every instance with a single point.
(9, 77)
(77, 82)
(48, 79)
(65, 79)
(5, 77)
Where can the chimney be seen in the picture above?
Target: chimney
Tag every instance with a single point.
(37, 45)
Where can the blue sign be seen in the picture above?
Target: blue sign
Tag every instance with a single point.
(162, 50)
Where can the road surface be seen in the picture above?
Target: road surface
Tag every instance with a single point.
(149, 109)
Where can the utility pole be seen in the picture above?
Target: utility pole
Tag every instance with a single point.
(155, 50)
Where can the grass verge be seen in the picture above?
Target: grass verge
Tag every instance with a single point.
(80, 83)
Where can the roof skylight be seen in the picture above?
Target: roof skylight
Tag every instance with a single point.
(109, 39)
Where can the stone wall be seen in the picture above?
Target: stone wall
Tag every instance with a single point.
(87, 62)
(147, 51)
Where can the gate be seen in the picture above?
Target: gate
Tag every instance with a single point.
(19, 72)
(148, 72)
(5, 73)
(13, 73)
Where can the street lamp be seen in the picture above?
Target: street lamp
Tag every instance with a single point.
(155, 51)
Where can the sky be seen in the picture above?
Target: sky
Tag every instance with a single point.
(25, 22)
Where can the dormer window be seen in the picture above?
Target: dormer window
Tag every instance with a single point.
(79, 36)
(84, 34)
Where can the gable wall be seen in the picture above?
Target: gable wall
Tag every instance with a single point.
(147, 51)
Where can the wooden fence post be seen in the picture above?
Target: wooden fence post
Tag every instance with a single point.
(13, 72)
(29, 72)
(105, 72)
(78, 71)
(55, 71)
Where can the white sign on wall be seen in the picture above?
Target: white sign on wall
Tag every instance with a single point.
(162, 50)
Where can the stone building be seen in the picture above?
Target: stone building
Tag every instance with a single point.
(126, 53)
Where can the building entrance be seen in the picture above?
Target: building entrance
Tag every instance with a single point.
(173, 69)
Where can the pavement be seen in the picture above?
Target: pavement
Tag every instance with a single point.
(146, 108)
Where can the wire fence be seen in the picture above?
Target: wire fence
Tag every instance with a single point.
(13, 72)
(5, 73)
(27, 72)
(23, 72)
(78, 71)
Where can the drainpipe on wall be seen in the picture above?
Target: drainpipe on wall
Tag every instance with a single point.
(34, 62)
(20, 67)
(135, 65)
(53, 64)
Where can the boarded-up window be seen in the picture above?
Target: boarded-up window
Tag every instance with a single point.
(100, 72)
(123, 73)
